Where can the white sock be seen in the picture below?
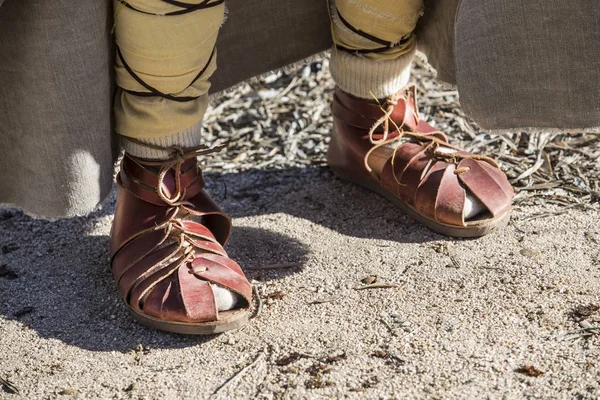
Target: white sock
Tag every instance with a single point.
(473, 206)
(225, 299)
(189, 137)
(365, 78)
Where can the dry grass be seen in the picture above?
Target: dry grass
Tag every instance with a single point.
(284, 120)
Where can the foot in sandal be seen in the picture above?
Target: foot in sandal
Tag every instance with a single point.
(167, 251)
(384, 146)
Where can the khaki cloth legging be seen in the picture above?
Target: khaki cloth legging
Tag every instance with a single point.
(166, 55)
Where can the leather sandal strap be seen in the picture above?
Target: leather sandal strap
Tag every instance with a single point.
(167, 241)
(144, 183)
(482, 182)
(437, 188)
(413, 161)
(401, 111)
(358, 112)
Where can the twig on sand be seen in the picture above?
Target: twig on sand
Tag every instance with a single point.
(8, 386)
(377, 286)
(326, 300)
(274, 266)
(239, 373)
(389, 327)
(259, 302)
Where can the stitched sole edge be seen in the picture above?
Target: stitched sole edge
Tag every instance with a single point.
(479, 229)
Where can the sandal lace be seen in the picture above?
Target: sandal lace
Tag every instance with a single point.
(432, 142)
(178, 156)
(174, 225)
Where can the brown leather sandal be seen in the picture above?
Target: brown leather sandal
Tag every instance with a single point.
(386, 147)
(167, 250)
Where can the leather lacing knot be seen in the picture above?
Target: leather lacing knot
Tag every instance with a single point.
(177, 156)
(432, 142)
(175, 233)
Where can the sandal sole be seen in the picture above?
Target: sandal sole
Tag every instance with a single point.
(232, 320)
(476, 229)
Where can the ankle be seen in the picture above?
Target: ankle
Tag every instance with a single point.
(366, 78)
(157, 148)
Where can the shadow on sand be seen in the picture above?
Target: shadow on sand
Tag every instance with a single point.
(55, 276)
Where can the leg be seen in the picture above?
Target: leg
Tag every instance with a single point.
(375, 45)
(163, 67)
(379, 140)
(168, 235)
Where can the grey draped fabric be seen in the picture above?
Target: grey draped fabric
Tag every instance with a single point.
(269, 34)
(56, 147)
(435, 33)
(529, 63)
(517, 63)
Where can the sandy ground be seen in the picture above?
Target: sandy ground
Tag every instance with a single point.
(466, 315)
